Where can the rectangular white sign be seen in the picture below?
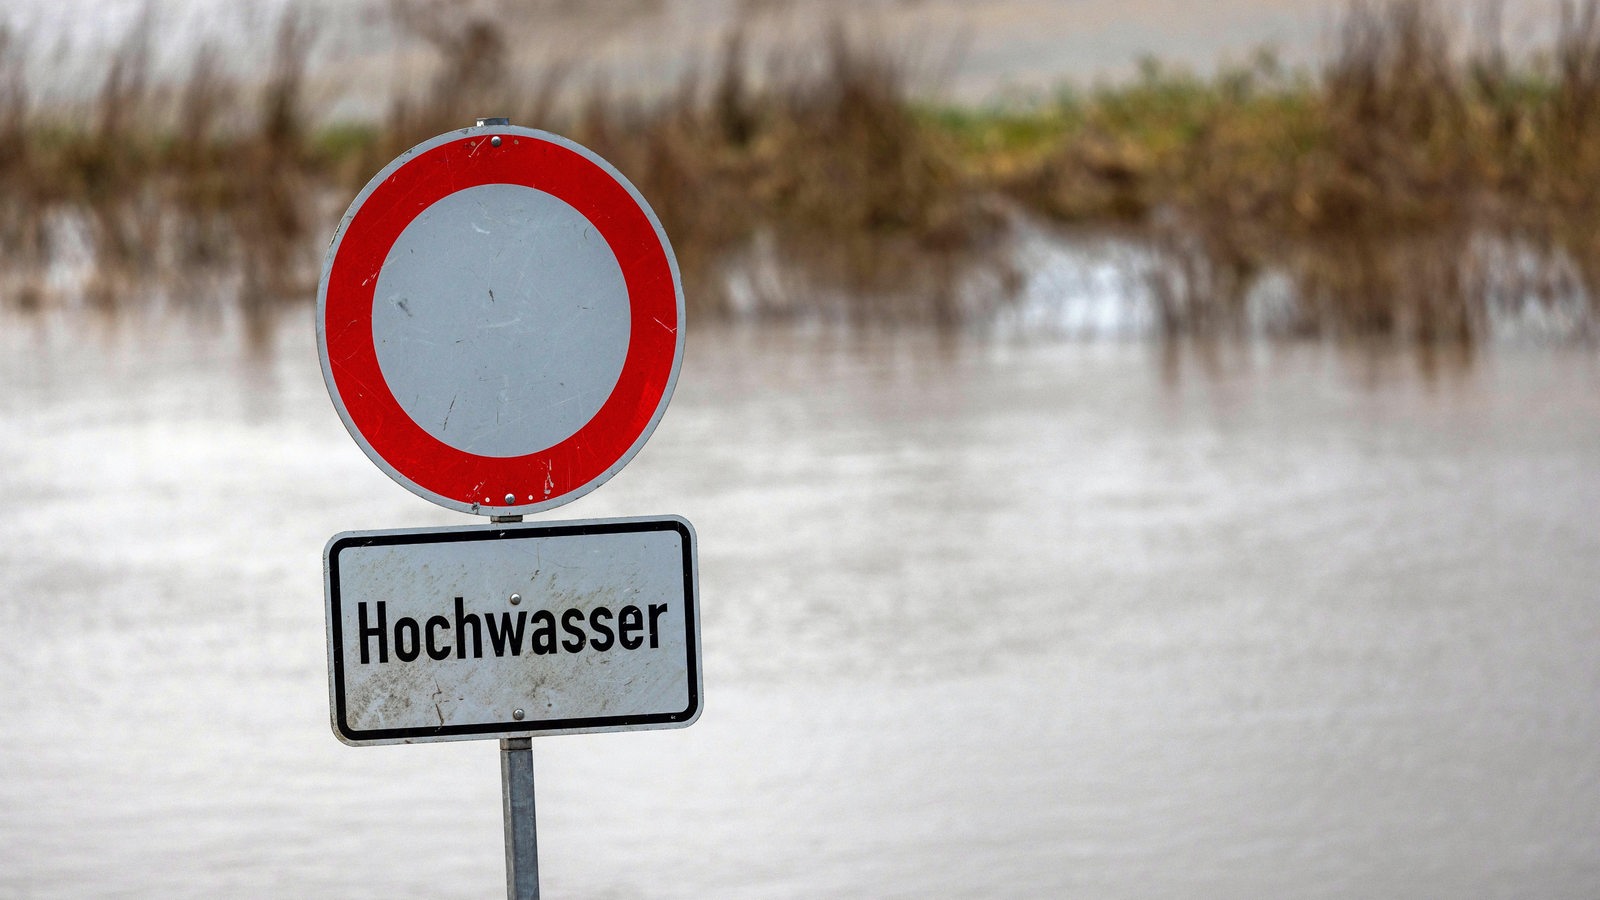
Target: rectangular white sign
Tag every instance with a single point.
(508, 630)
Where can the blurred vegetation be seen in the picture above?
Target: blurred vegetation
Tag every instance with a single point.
(1377, 186)
(1407, 188)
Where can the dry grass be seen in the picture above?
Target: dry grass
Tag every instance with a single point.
(1373, 185)
(830, 160)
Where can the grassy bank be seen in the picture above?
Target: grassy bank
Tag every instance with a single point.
(1378, 186)
(1417, 182)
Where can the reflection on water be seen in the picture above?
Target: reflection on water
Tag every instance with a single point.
(981, 619)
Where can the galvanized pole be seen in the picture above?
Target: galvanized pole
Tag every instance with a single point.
(516, 783)
(522, 843)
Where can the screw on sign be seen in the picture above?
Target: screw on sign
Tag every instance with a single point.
(500, 320)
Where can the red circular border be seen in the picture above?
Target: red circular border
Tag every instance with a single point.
(429, 463)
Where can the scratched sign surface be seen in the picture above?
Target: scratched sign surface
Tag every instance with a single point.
(500, 320)
(508, 630)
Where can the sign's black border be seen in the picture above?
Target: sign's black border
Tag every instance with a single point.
(513, 728)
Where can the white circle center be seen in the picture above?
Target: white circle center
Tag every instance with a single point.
(501, 320)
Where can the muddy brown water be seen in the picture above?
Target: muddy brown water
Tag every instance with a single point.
(982, 618)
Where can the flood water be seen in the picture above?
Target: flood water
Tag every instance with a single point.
(982, 618)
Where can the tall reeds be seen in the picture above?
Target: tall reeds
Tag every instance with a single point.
(1414, 186)
(24, 239)
(1390, 188)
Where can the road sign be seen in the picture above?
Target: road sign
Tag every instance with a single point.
(500, 320)
(510, 630)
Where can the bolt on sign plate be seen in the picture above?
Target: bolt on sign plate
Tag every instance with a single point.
(512, 630)
(500, 320)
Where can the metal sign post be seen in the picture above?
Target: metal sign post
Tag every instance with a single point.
(500, 325)
(517, 811)
(522, 839)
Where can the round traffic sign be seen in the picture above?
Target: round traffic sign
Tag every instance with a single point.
(500, 320)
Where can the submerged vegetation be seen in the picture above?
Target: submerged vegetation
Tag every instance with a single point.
(1417, 185)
